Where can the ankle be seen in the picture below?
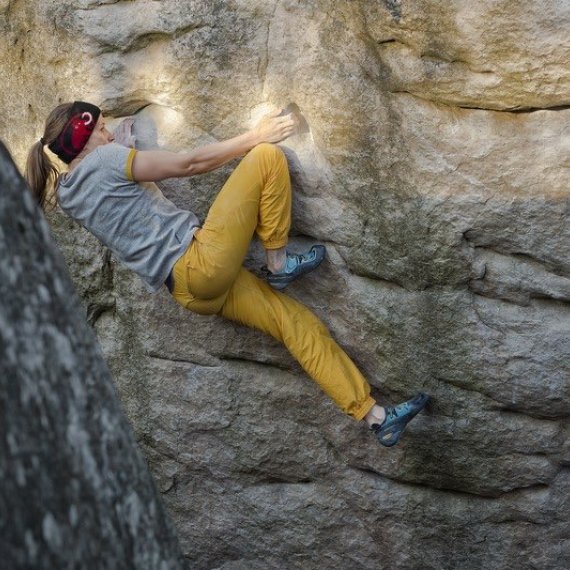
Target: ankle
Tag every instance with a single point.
(276, 268)
(276, 259)
(375, 416)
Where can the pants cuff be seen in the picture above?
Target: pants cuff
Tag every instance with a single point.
(277, 244)
(363, 409)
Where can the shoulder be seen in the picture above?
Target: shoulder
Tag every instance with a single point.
(111, 162)
(111, 150)
(116, 158)
(94, 161)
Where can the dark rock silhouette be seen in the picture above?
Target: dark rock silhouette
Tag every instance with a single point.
(74, 490)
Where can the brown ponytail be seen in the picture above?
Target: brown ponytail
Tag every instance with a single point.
(42, 175)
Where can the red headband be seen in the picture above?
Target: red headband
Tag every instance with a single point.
(74, 136)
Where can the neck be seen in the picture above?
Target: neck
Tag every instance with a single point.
(78, 159)
(74, 163)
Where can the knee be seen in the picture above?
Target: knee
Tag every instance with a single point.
(268, 151)
(200, 306)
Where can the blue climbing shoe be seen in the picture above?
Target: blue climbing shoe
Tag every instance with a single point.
(397, 418)
(297, 264)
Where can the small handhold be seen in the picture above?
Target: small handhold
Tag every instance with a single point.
(301, 125)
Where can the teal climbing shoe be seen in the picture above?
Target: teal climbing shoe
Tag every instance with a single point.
(397, 418)
(296, 264)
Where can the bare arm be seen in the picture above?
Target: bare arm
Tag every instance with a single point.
(152, 166)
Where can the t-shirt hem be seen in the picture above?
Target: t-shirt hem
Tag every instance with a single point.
(157, 285)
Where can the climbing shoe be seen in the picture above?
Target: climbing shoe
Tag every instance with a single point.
(397, 418)
(296, 264)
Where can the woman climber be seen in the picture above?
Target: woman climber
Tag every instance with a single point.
(201, 264)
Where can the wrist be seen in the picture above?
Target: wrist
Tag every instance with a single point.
(253, 138)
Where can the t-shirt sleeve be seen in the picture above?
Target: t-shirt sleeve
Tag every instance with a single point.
(118, 159)
(129, 165)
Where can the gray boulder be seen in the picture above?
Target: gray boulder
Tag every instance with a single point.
(436, 172)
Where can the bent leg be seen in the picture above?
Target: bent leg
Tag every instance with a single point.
(252, 302)
(255, 198)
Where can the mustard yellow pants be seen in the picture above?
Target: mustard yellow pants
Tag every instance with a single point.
(209, 277)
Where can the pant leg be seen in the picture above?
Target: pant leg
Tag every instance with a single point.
(209, 279)
(256, 198)
(252, 302)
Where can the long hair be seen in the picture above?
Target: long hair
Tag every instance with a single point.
(42, 175)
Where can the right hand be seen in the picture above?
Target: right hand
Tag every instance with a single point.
(274, 128)
(123, 133)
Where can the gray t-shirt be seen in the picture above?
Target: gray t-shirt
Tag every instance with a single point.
(143, 229)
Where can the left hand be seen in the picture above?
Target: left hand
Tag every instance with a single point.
(274, 128)
(123, 133)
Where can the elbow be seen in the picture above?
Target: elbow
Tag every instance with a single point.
(192, 168)
(198, 168)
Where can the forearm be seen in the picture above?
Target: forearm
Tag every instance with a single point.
(212, 156)
(272, 128)
(158, 165)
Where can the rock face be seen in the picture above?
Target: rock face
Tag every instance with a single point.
(75, 491)
(436, 171)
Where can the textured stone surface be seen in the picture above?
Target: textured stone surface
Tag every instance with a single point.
(75, 493)
(436, 171)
